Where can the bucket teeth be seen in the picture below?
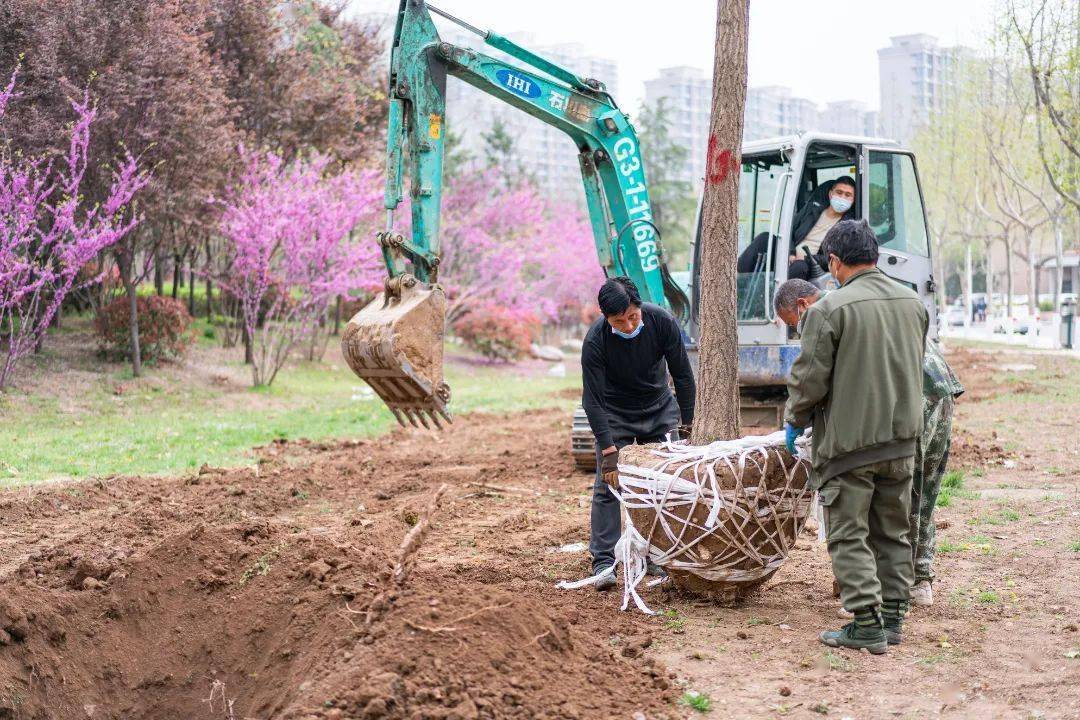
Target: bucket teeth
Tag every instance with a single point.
(395, 345)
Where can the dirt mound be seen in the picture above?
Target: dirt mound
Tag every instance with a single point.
(985, 374)
(244, 593)
(967, 450)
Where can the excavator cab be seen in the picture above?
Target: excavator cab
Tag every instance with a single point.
(779, 178)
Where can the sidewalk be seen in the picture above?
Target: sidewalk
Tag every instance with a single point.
(1043, 336)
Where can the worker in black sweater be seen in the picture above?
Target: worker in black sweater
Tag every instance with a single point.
(625, 361)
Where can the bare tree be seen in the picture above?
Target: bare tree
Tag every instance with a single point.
(1049, 33)
(1003, 227)
(717, 408)
(1027, 174)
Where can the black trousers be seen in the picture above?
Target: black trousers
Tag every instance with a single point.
(747, 261)
(606, 519)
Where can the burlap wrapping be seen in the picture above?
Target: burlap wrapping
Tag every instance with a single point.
(719, 518)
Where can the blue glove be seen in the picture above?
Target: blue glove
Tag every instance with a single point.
(790, 433)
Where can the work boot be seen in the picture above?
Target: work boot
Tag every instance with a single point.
(607, 582)
(922, 594)
(892, 619)
(864, 632)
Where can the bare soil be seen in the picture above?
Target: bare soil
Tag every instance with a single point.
(244, 593)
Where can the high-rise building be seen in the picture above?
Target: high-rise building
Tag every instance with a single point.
(848, 117)
(772, 110)
(914, 74)
(687, 96)
(765, 114)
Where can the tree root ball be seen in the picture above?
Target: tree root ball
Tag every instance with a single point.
(762, 510)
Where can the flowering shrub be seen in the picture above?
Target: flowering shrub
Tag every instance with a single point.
(518, 249)
(49, 231)
(165, 328)
(288, 229)
(498, 333)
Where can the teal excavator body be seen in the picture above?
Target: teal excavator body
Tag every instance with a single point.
(395, 343)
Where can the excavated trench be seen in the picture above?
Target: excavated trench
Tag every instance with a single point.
(244, 594)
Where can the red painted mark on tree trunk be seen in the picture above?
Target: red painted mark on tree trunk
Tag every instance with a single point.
(720, 163)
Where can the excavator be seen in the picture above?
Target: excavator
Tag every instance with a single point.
(396, 342)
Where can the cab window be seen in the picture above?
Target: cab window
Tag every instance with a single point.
(758, 184)
(824, 175)
(757, 189)
(896, 211)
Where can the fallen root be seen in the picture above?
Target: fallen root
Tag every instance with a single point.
(414, 539)
(453, 628)
(406, 559)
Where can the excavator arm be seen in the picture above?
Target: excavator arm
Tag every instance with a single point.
(391, 342)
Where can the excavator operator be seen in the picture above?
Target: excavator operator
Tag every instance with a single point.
(830, 203)
(627, 398)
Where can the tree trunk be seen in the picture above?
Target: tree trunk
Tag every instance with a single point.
(716, 414)
(177, 274)
(1033, 280)
(191, 282)
(1059, 260)
(249, 351)
(209, 285)
(337, 315)
(159, 274)
(124, 263)
(1008, 281)
(967, 286)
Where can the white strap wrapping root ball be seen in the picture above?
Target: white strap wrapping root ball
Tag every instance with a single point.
(721, 516)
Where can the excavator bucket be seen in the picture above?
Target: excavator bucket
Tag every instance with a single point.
(396, 345)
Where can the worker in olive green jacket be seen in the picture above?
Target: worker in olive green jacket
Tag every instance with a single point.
(858, 379)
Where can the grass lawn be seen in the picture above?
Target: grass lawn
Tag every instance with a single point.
(82, 417)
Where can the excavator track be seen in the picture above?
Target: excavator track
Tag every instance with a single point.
(395, 344)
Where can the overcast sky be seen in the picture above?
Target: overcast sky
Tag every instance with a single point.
(822, 50)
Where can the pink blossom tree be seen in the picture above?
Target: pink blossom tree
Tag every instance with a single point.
(48, 233)
(515, 250)
(291, 248)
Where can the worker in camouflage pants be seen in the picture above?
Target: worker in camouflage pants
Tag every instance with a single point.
(940, 388)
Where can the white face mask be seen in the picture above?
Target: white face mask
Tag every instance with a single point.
(632, 334)
(840, 205)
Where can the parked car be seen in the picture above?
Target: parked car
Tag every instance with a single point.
(955, 315)
(1019, 325)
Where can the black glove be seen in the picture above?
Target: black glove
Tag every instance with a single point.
(609, 468)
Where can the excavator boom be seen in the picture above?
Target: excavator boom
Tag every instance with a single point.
(395, 343)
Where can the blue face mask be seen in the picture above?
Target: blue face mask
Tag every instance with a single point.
(840, 205)
(632, 334)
